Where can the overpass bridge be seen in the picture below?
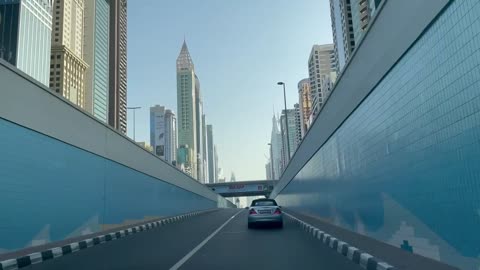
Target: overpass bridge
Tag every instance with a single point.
(386, 176)
(243, 188)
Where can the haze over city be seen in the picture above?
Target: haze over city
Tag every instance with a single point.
(240, 49)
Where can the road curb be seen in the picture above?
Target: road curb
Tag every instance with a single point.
(56, 252)
(354, 254)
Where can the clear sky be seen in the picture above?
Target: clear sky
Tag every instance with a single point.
(240, 49)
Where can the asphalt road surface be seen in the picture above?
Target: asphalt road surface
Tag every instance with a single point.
(215, 240)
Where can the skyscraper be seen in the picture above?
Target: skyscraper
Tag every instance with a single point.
(163, 136)
(25, 36)
(305, 104)
(276, 151)
(293, 138)
(342, 30)
(199, 131)
(67, 66)
(297, 126)
(215, 160)
(187, 112)
(268, 171)
(211, 157)
(205, 149)
(117, 92)
(362, 13)
(96, 55)
(321, 63)
(171, 140)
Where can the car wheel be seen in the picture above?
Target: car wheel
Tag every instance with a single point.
(250, 225)
(280, 225)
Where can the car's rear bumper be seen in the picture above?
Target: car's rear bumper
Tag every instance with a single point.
(265, 218)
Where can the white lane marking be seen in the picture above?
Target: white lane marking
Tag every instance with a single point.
(191, 253)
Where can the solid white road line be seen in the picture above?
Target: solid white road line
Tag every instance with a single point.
(191, 253)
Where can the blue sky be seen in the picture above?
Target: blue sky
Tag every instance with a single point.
(240, 49)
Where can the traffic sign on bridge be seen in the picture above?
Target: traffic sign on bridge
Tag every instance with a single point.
(244, 188)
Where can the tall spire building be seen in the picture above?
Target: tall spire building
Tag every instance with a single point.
(187, 112)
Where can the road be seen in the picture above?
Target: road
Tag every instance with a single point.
(213, 240)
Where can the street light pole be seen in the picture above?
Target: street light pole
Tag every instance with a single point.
(286, 118)
(134, 109)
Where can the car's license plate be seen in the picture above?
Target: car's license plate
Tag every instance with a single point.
(265, 212)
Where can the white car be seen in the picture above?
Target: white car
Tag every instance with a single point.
(265, 211)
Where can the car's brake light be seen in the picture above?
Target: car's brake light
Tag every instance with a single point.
(277, 212)
(252, 212)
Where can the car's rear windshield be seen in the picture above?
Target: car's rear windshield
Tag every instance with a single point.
(264, 203)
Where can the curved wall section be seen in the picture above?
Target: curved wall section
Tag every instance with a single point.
(403, 167)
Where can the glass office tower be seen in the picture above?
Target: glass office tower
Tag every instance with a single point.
(25, 36)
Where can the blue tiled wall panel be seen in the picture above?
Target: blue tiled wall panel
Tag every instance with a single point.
(406, 164)
(50, 190)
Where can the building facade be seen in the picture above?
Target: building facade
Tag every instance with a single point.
(205, 149)
(199, 131)
(362, 13)
(117, 92)
(187, 112)
(342, 30)
(290, 142)
(215, 160)
(305, 105)
(163, 133)
(298, 126)
(67, 66)
(25, 36)
(185, 158)
(171, 138)
(268, 171)
(210, 155)
(321, 64)
(276, 151)
(96, 54)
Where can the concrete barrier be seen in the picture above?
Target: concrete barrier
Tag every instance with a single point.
(394, 152)
(65, 174)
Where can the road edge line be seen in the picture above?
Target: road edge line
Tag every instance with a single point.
(365, 260)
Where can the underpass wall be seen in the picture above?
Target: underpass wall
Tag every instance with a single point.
(64, 174)
(394, 153)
